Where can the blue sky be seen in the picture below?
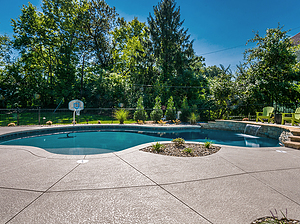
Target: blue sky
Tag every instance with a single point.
(220, 28)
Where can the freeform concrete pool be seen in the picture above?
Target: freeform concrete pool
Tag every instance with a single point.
(99, 139)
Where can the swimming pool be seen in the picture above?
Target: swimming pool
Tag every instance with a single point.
(83, 142)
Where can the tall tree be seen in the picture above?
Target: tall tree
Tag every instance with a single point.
(172, 47)
(101, 20)
(272, 67)
(48, 41)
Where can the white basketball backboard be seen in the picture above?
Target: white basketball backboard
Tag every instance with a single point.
(76, 105)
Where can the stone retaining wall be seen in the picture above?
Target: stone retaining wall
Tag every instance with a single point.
(265, 130)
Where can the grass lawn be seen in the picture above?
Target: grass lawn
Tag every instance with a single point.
(63, 117)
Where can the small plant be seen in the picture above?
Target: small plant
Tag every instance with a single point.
(49, 123)
(275, 219)
(179, 141)
(121, 115)
(193, 118)
(177, 122)
(157, 147)
(188, 150)
(11, 124)
(208, 144)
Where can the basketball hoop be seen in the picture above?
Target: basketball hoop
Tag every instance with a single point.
(76, 106)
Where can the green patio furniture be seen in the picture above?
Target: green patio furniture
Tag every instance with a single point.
(266, 114)
(291, 117)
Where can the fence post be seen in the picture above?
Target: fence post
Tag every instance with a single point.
(39, 111)
(18, 116)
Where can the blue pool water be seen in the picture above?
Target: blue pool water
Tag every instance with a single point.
(98, 142)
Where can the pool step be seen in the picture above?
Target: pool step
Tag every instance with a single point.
(294, 140)
(296, 133)
(290, 144)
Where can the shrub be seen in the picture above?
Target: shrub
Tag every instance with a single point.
(171, 110)
(157, 147)
(193, 118)
(121, 115)
(140, 113)
(157, 112)
(208, 144)
(188, 150)
(49, 123)
(178, 141)
(184, 110)
(11, 124)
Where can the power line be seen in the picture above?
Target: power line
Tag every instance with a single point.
(226, 49)
(183, 87)
(213, 52)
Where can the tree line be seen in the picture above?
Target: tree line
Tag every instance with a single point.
(82, 49)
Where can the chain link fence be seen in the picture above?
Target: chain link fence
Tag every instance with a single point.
(39, 116)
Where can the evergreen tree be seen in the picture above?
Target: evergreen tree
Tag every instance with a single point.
(172, 47)
(185, 110)
(140, 113)
(157, 112)
(171, 110)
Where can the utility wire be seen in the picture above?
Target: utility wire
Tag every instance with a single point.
(226, 49)
(183, 87)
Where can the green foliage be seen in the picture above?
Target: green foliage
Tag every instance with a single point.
(208, 144)
(188, 150)
(272, 66)
(157, 147)
(178, 141)
(170, 41)
(193, 118)
(157, 112)
(171, 110)
(140, 113)
(223, 90)
(185, 110)
(121, 115)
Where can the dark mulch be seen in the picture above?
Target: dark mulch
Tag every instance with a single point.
(266, 220)
(171, 149)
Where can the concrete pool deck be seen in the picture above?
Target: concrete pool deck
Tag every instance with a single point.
(235, 185)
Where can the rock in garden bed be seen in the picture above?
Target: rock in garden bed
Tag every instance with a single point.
(185, 150)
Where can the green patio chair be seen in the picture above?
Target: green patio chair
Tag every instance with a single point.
(291, 117)
(266, 114)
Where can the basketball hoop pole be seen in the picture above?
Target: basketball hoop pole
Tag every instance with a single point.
(76, 106)
(74, 117)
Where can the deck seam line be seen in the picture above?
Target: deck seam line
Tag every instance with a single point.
(267, 185)
(174, 196)
(44, 192)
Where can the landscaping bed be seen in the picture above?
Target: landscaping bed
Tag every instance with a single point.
(182, 150)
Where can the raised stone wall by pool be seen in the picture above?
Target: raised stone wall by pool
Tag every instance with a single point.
(266, 130)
